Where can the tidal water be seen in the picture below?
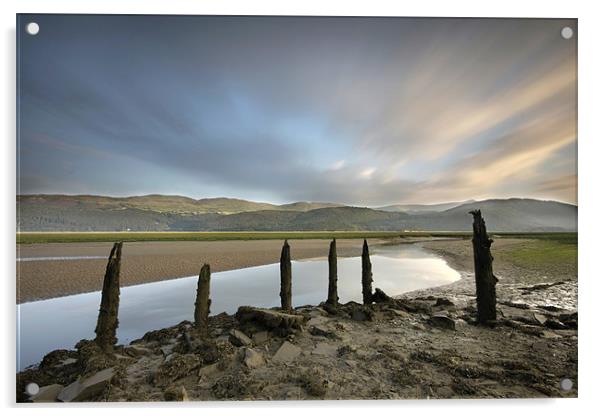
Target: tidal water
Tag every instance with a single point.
(51, 324)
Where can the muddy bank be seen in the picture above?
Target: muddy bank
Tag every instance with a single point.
(537, 285)
(146, 262)
(425, 344)
(425, 347)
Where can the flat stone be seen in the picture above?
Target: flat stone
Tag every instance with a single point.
(442, 321)
(166, 350)
(138, 351)
(286, 353)
(209, 370)
(397, 312)
(539, 318)
(325, 349)
(253, 359)
(239, 339)
(47, 394)
(317, 320)
(261, 337)
(555, 324)
(87, 388)
(322, 331)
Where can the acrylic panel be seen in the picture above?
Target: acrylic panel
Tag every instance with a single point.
(295, 208)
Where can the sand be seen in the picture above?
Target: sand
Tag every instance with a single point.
(146, 262)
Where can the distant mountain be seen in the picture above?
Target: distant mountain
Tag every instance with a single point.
(419, 208)
(176, 213)
(167, 204)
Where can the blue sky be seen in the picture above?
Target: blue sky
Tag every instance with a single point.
(363, 111)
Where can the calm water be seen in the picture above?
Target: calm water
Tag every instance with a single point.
(60, 323)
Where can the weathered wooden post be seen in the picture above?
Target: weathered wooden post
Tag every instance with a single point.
(106, 326)
(485, 280)
(366, 275)
(285, 278)
(333, 296)
(203, 303)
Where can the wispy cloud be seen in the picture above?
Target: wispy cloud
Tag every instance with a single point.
(362, 111)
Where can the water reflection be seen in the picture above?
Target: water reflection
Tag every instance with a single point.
(59, 323)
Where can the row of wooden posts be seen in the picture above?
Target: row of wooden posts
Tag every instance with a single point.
(106, 327)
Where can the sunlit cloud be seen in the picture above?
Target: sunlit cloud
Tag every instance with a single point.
(287, 109)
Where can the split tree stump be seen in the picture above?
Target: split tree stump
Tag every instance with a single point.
(333, 297)
(203, 303)
(106, 326)
(366, 275)
(484, 278)
(285, 278)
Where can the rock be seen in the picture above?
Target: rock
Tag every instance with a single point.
(362, 313)
(261, 337)
(56, 358)
(570, 320)
(269, 319)
(322, 331)
(398, 313)
(318, 320)
(177, 367)
(286, 353)
(442, 321)
(444, 302)
(137, 351)
(554, 323)
(380, 296)
(239, 339)
(317, 311)
(539, 319)
(175, 394)
(325, 349)
(166, 350)
(209, 370)
(253, 359)
(88, 388)
(47, 394)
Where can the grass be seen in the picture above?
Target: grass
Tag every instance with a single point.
(539, 254)
(89, 237)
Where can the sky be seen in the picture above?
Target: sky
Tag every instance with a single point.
(360, 111)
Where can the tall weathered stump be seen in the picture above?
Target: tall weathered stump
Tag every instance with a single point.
(285, 278)
(203, 303)
(333, 296)
(484, 278)
(366, 275)
(106, 326)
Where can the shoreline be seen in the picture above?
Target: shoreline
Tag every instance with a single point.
(421, 344)
(147, 262)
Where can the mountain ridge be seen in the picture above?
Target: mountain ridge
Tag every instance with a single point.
(175, 213)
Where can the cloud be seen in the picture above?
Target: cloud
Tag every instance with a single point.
(357, 111)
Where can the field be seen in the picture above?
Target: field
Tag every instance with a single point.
(83, 237)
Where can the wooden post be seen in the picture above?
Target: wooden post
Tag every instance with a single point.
(106, 326)
(333, 297)
(485, 280)
(366, 275)
(285, 278)
(203, 303)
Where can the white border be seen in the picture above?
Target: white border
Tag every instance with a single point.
(590, 152)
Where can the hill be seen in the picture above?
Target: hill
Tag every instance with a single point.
(175, 213)
(420, 208)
